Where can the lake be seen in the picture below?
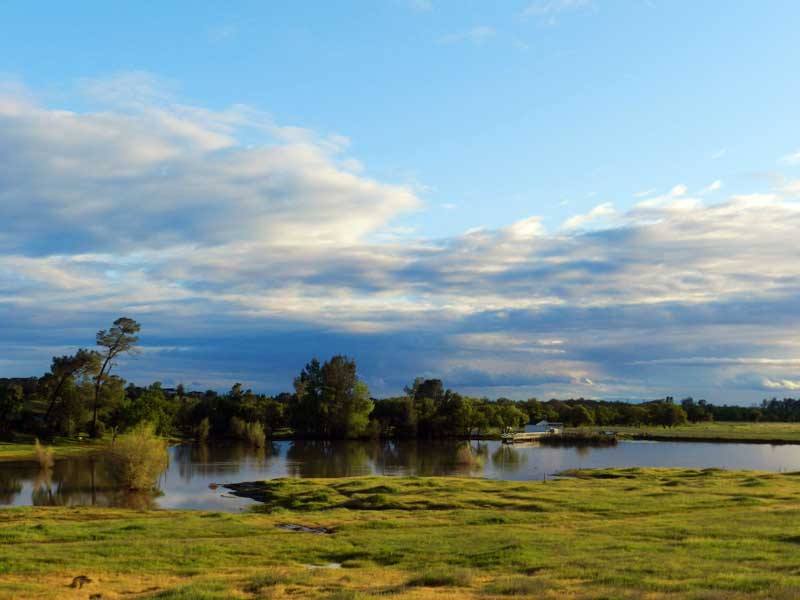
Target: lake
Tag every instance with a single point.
(193, 468)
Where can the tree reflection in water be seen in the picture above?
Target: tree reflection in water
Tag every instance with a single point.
(220, 460)
(508, 458)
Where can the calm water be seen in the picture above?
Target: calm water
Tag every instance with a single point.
(185, 484)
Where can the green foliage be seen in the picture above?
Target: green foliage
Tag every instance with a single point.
(120, 339)
(11, 404)
(330, 400)
(441, 578)
(137, 458)
(202, 430)
(252, 432)
(146, 406)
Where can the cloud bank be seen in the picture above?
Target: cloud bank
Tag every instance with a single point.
(246, 247)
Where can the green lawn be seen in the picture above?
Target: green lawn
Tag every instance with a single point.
(23, 448)
(723, 430)
(624, 533)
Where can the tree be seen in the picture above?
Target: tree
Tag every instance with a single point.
(11, 403)
(306, 411)
(120, 339)
(151, 406)
(345, 397)
(330, 400)
(578, 415)
(66, 368)
(668, 414)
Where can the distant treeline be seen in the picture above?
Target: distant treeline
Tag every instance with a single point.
(80, 395)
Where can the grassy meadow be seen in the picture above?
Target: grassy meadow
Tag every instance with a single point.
(24, 448)
(623, 533)
(715, 431)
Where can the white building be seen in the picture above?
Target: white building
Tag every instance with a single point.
(544, 427)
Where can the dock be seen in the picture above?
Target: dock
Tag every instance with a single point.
(517, 437)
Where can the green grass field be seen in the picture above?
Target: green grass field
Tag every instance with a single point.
(654, 534)
(23, 448)
(722, 430)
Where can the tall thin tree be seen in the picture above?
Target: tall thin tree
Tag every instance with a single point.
(120, 339)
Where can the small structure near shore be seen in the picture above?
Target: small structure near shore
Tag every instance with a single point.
(544, 427)
(532, 431)
(553, 434)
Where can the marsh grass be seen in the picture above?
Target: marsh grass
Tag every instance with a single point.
(251, 432)
(441, 577)
(137, 458)
(44, 456)
(655, 534)
(466, 457)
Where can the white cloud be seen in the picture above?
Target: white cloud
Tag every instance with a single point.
(781, 384)
(791, 159)
(476, 35)
(719, 153)
(159, 173)
(598, 212)
(548, 10)
(711, 188)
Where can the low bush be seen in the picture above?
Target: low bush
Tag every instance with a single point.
(252, 432)
(202, 430)
(137, 458)
(516, 586)
(441, 578)
(44, 456)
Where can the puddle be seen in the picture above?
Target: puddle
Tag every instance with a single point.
(327, 566)
(303, 529)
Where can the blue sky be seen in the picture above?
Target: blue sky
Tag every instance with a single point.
(549, 198)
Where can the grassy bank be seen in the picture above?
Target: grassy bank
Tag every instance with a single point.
(778, 433)
(23, 447)
(656, 534)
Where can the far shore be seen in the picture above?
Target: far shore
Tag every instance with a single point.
(720, 432)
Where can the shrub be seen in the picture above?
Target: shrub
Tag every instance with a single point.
(252, 432)
(237, 428)
(96, 430)
(465, 457)
(441, 578)
(137, 458)
(202, 430)
(517, 586)
(44, 455)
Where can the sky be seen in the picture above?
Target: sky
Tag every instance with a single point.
(549, 198)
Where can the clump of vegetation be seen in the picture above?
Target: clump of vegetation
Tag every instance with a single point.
(137, 458)
(44, 456)
(516, 586)
(202, 430)
(252, 432)
(579, 438)
(441, 578)
(465, 457)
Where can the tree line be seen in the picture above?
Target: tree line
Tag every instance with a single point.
(80, 394)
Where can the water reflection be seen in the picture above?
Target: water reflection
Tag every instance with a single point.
(192, 468)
